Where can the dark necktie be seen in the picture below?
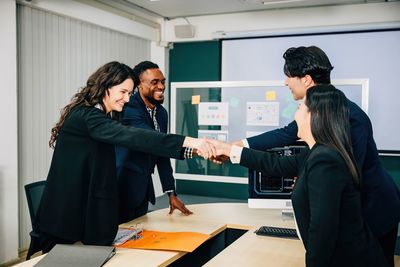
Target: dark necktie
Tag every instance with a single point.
(153, 115)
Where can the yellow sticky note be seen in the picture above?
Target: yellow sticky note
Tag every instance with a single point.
(270, 95)
(195, 99)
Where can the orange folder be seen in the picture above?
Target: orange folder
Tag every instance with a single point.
(175, 241)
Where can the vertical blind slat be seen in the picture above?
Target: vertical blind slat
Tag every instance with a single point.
(56, 54)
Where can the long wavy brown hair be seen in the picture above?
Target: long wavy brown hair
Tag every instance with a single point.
(98, 84)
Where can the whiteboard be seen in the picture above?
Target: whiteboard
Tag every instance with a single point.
(274, 108)
(371, 56)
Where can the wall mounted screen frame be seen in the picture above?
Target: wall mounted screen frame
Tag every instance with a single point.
(185, 99)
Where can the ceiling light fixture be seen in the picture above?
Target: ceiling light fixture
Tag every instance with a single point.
(272, 2)
(280, 2)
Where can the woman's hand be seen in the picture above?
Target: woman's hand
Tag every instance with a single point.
(204, 148)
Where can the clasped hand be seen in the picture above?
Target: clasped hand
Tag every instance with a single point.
(222, 150)
(211, 149)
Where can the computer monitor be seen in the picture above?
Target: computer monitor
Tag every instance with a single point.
(270, 192)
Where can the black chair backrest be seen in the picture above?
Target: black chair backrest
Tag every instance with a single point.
(34, 193)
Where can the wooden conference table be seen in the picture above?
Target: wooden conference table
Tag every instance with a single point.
(213, 219)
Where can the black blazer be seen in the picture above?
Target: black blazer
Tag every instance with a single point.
(134, 168)
(327, 206)
(79, 202)
(380, 195)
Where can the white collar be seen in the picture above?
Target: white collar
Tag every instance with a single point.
(101, 108)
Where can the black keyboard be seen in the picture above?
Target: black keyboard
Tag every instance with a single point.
(277, 232)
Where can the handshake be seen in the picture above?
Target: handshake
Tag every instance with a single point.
(214, 150)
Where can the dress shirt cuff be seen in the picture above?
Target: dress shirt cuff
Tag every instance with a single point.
(169, 192)
(245, 143)
(188, 153)
(236, 154)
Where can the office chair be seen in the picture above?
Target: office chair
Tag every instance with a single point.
(34, 193)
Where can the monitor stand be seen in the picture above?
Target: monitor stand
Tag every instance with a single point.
(287, 214)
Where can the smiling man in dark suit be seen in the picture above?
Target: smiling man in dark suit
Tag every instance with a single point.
(135, 169)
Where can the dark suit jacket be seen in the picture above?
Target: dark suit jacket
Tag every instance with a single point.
(80, 201)
(380, 195)
(135, 168)
(327, 206)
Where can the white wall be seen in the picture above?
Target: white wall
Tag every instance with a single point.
(8, 134)
(289, 21)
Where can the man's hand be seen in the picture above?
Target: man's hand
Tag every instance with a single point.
(215, 159)
(238, 143)
(176, 203)
(221, 148)
(219, 159)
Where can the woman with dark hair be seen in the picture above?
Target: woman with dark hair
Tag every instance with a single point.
(326, 196)
(80, 200)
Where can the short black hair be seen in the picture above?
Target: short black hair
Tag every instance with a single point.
(142, 67)
(301, 61)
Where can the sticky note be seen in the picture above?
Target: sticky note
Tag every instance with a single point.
(195, 99)
(270, 95)
(234, 102)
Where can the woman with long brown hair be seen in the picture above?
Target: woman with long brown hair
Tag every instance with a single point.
(79, 202)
